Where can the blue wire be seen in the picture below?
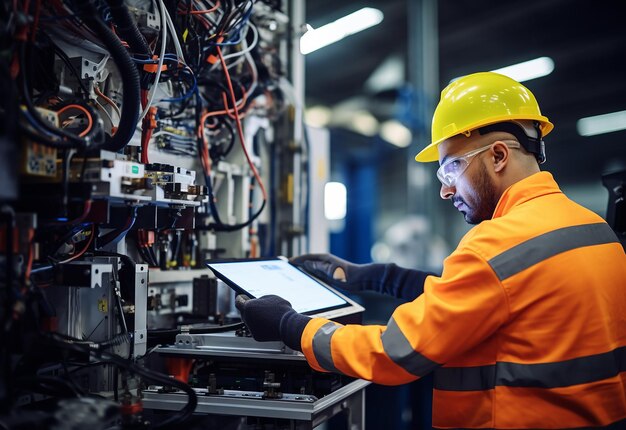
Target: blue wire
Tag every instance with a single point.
(35, 124)
(189, 93)
(166, 57)
(237, 30)
(41, 269)
(126, 230)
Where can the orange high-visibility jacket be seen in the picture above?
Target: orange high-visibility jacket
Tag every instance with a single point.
(525, 328)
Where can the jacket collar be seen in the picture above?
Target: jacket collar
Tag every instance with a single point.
(536, 185)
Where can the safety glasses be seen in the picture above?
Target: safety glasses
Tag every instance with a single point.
(451, 169)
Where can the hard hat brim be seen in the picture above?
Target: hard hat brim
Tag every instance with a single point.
(430, 153)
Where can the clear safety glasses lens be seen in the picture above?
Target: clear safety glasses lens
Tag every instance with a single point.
(449, 171)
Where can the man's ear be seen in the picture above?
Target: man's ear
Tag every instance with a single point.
(500, 153)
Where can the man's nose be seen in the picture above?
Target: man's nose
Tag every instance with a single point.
(447, 192)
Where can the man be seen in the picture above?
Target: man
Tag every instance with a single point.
(526, 326)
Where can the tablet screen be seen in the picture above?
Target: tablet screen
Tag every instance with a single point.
(258, 278)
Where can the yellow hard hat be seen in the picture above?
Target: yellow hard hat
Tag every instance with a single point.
(477, 100)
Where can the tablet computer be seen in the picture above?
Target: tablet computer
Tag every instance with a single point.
(260, 277)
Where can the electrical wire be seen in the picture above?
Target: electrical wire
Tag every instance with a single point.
(115, 236)
(94, 349)
(108, 100)
(82, 251)
(177, 46)
(157, 76)
(62, 139)
(201, 12)
(246, 47)
(85, 112)
(239, 126)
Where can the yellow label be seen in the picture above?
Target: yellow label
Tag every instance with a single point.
(185, 34)
(103, 305)
(289, 196)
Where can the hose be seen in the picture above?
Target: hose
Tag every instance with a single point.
(128, 72)
(127, 28)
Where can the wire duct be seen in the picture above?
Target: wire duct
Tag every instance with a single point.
(128, 72)
(127, 28)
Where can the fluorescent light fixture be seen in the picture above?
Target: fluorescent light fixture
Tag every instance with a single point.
(528, 70)
(325, 35)
(364, 122)
(389, 75)
(317, 116)
(395, 133)
(335, 200)
(600, 124)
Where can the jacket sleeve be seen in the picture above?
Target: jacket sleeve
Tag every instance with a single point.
(457, 311)
(389, 279)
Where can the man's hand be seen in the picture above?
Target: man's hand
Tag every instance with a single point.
(389, 279)
(330, 269)
(271, 318)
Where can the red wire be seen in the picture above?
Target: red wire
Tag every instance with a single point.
(31, 254)
(85, 112)
(82, 251)
(146, 132)
(35, 21)
(238, 123)
(81, 218)
(201, 12)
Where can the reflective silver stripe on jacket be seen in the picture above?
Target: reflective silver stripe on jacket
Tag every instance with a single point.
(582, 370)
(540, 248)
(321, 346)
(398, 348)
(565, 373)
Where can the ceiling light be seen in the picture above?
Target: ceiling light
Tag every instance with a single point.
(325, 35)
(395, 133)
(528, 70)
(364, 122)
(317, 116)
(335, 200)
(600, 124)
(389, 75)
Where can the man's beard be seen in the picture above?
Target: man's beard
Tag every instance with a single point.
(483, 200)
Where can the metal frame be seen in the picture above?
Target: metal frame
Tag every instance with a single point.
(307, 411)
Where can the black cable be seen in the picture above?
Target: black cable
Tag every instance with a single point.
(126, 260)
(70, 379)
(128, 71)
(118, 302)
(67, 159)
(116, 235)
(176, 251)
(8, 217)
(218, 225)
(192, 400)
(67, 140)
(181, 416)
(153, 257)
(127, 28)
(63, 56)
(217, 152)
(143, 253)
(47, 385)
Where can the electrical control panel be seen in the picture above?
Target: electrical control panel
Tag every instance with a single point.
(139, 139)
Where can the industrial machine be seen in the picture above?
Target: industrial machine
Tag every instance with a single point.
(139, 139)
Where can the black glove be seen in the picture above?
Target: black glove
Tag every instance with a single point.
(272, 318)
(389, 279)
